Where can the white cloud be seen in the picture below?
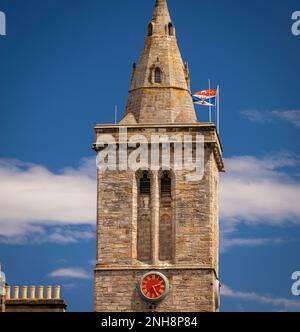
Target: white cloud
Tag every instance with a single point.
(289, 116)
(37, 205)
(287, 304)
(54, 234)
(72, 273)
(31, 196)
(70, 236)
(256, 116)
(259, 191)
(292, 117)
(229, 243)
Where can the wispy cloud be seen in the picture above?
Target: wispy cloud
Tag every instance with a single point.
(291, 305)
(256, 116)
(59, 235)
(31, 197)
(55, 234)
(72, 273)
(228, 243)
(289, 116)
(292, 117)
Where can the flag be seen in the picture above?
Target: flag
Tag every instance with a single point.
(204, 103)
(205, 97)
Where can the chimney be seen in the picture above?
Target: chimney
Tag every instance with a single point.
(24, 292)
(32, 292)
(16, 292)
(57, 293)
(40, 292)
(7, 292)
(48, 293)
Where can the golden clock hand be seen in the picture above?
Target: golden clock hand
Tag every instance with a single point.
(155, 291)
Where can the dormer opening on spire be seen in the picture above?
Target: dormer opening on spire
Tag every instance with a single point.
(171, 29)
(156, 73)
(150, 29)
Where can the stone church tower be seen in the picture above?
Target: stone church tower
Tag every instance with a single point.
(157, 233)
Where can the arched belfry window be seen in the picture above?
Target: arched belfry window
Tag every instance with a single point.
(166, 227)
(145, 184)
(144, 217)
(166, 185)
(158, 75)
(150, 29)
(171, 29)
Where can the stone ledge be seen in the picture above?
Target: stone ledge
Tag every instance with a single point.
(35, 302)
(160, 87)
(155, 268)
(21, 305)
(155, 125)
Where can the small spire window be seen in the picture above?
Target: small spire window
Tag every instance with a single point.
(157, 75)
(150, 29)
(171, 29)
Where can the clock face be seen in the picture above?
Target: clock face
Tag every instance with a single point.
(153, 287)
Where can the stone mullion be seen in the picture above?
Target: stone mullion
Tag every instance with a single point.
(155, 219)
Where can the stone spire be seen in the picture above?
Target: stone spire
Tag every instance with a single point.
(160, 86)
(161, 17)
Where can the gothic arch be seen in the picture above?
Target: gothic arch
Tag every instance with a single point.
(144, 180)
(171, 175)
(144, 183)
(150, 29)
(166, 218)
(157, 75)
(171, 29)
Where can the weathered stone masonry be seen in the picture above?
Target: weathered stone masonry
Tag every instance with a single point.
(155, 220)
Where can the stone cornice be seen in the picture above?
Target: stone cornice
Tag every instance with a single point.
(172, 267)
(215, 143)
(158, 86)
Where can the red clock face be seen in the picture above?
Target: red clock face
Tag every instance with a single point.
(153, 286)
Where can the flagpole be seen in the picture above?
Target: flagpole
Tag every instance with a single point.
(210, 116)
(116, 114)
(218, 111)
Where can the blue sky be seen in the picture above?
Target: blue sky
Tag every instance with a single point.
(63, 67)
